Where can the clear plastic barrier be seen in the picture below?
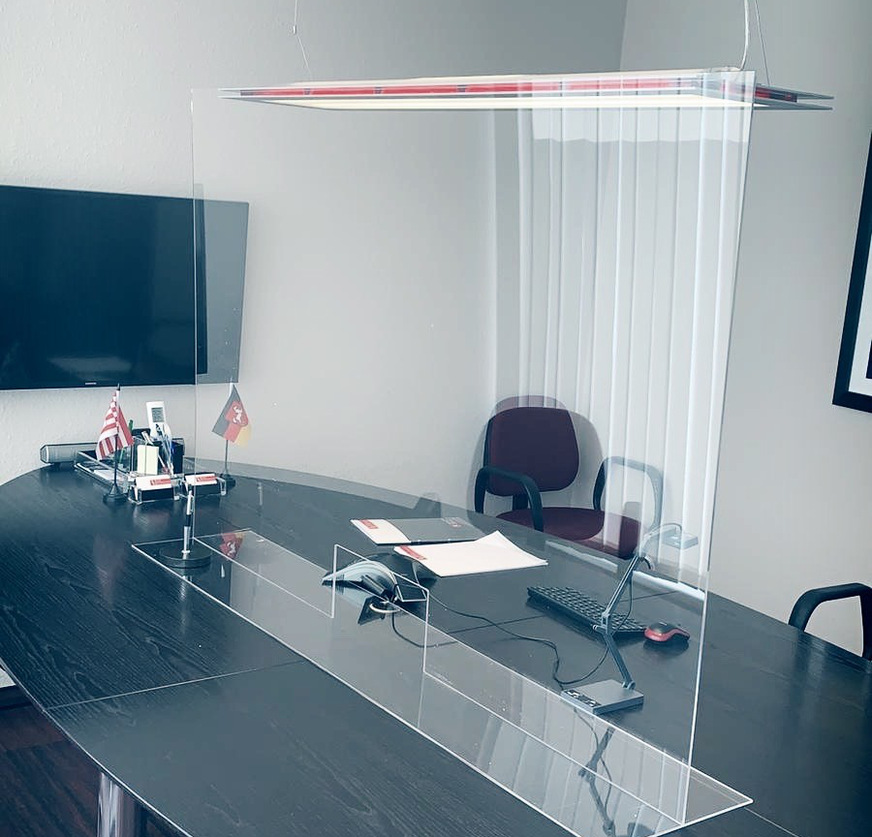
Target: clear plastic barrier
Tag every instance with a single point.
(519, 734)
(505, 304)
(336, 629)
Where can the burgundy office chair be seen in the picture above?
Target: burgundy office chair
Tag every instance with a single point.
(530, 450)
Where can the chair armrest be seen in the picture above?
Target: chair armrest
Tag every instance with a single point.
(808, 601)
(650, 471)
(534, 497)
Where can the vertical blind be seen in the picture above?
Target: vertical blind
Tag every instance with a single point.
(615, 296)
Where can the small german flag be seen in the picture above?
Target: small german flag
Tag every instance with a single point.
(231, 542)
(233, 424)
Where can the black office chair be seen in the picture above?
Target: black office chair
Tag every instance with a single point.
(530, 450)
(809, 600)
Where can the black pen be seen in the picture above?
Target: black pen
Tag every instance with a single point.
(189, 520)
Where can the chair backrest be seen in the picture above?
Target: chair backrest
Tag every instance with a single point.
(537, 441)
(808, 601)
(649, 472)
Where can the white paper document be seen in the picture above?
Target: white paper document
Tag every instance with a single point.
(380, 531)
(418, 530)
(491, 553)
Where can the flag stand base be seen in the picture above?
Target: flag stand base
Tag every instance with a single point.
(229, 480)
(114, 496)
(175, 556)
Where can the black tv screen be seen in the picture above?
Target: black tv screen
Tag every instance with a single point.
(98, 289)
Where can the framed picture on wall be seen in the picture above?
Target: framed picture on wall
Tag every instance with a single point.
(854, 373)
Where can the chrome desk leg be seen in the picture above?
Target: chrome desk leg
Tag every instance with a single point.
(118, 813)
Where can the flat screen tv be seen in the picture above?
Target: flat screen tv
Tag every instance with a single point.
(98, 289)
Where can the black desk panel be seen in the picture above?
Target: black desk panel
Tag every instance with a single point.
(787, 718)
(289, 750)
(783, 717)
(82, 616)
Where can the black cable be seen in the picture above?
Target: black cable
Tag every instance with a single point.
(555, 669)
(514, 635)
(412, 641)
(564, 683)
(547, 642)
(611, 820)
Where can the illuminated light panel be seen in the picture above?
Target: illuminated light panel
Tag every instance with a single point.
(688, 89)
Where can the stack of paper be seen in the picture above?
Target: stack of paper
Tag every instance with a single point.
(489, 554)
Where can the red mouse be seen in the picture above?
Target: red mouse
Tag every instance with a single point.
(666, 632)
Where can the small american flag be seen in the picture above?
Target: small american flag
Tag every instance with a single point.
(115, 433)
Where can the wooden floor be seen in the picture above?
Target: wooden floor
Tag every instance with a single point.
(47, 787)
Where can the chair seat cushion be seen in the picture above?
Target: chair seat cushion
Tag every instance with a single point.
(611, 533)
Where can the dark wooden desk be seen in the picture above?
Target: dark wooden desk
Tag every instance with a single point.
(124, 657)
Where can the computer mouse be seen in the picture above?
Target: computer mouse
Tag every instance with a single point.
(666, 632)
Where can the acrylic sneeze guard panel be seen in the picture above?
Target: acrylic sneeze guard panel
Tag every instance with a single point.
(417, 274)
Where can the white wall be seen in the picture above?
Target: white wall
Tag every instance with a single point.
(796, 472)
(96, 96)
(367, 342)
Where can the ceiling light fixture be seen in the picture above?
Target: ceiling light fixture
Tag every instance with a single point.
(676, 89)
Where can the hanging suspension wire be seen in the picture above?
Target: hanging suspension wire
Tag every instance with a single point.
(296, 33)
(744, 61)
(762, 42)
(747, 7)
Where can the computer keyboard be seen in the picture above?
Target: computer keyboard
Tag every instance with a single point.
(582, 609)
